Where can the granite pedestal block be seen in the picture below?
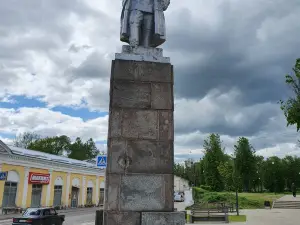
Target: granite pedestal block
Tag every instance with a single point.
(139, 175)
(141, 53)
(163, 218)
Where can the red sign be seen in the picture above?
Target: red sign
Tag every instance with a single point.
(38, 178)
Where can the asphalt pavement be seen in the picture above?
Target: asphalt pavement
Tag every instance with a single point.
(72, 218)
(254, 217)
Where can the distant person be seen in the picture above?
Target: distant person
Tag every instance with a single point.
(294, 190)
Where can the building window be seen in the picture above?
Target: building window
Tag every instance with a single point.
(36, 195)
(57, 195)
(9, 194)
(89, 196)
(101, 197)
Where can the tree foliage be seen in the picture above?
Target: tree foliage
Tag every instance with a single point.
(83, 151)
(291, 107)
(25, 139)
(59, 145)
(245, 162)
(244, 171)
(226, 170)
(214, 156)
(53, 145)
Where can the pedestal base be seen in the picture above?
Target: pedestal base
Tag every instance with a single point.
(142, 54)
(163, 218)
(139, 174)
(144, 218)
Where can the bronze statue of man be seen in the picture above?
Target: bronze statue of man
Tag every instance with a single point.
(143, 22)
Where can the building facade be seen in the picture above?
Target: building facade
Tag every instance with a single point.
(180, 184)
(31, 179)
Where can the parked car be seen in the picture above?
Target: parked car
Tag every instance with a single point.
(178, 197)
(39, 216)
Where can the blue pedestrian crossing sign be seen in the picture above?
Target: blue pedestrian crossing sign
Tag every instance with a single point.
(102, 161)
(3, 175)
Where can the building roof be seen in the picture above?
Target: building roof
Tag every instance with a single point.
(45, 156)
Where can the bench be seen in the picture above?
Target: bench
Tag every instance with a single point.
(6, 210)
(230, 207)
(208, 214)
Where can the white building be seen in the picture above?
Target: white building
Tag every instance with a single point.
(180, 184)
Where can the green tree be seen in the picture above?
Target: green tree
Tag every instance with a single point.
(245, 162)
(83, 151)
(291, 171)
(274, 179)
(25, 139)
(53, 145)
(62, 145)
(214, 156)
(179, 170)
(226, 169)
(260, 173)
(291, 107)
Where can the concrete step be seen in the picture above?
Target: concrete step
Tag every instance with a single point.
(287, 201)
(286, 205)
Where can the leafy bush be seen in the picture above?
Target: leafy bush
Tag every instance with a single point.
(206, 187)
(229, 198)
(215, 198)
(198, 194)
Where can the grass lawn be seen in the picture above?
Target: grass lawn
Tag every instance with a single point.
(261, 196)
(246, 200)
(235, 218)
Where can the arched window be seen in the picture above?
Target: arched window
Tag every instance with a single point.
(10, 189)
(58, 185)
(89, 193)
(75, 192)
(101, 196)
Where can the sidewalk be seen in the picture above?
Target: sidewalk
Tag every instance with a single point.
(10, 216)
(289, 198)
(266, 217)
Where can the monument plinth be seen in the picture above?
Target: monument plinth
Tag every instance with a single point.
(139, 175)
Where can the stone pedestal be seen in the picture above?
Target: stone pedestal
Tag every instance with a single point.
(99, 217)
(139, 176)
(142, 54)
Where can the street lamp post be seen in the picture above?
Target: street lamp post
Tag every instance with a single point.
(194, 170)
(274, 177)
(236, 188)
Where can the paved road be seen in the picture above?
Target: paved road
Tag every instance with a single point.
(254, 217)
(72, 218)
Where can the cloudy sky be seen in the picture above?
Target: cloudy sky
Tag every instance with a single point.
(230, 58)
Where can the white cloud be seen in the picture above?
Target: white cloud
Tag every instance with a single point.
(60, 52)
(7, 141)
(49, 123)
